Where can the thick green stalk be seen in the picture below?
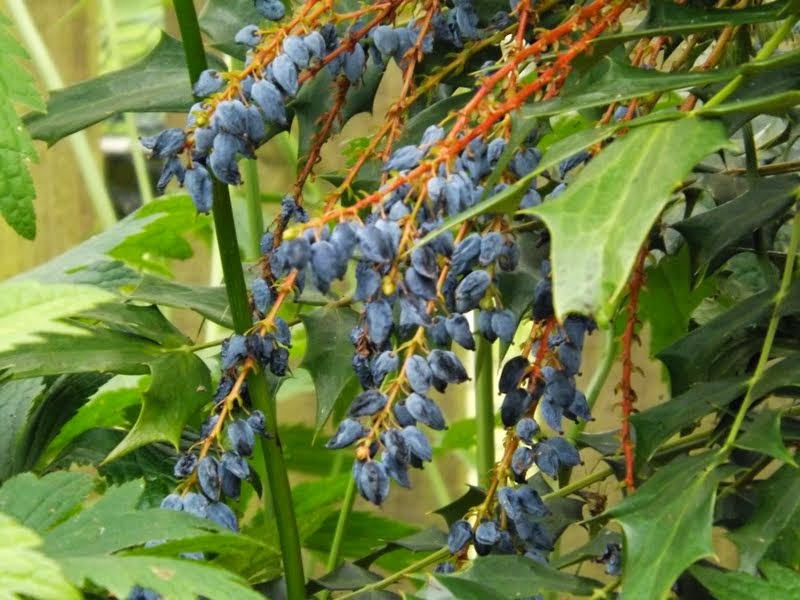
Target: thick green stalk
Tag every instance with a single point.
(277, 475)
(769, 338)
(91, 174)
(252, 196)
(766, 51)
(484, 409)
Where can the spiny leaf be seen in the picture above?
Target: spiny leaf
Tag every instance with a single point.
(680, 498)
(181, 384)
(776, 501)
(328, 332)
(779, 582)
(612, 206)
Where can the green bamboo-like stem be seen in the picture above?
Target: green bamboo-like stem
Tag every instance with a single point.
(87, 165)
(230, 259)
(335, 555)
(484, 409)
(769, 338)
(766, 51)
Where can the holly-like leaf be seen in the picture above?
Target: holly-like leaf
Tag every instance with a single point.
(210, 302)
(612, 205)
(778, 582)
(710, 233)
(25, 571)
(503, 577)
(762, 433)
(180, 385)
(680, 498)
(16, 148)
(459, 507)
(592, 549)
(145, 321)
(222, 19)
(28, 308)
(775, 501)
(655, 425)
(667, 301)
(157, 83)
(328, 333)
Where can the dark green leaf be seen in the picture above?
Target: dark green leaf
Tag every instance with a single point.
(779, 582)
(157, 83)
(328, 332)
(775, 501)
(592, 549)
(365, 531)
(180, 385)
(762, 433)
(222, 19)
(17, 401)
(458, 508)
(506, 577)
(210, 302)
(103, 350)
(668, 301)
(302, 454)
(347, 576)
(657, 424)
(145, 321)
(710, 233)
(680, 498)
(431, 115)
(612, 205)
(613, 81)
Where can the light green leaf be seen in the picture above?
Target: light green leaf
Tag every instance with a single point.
(29, 308)
(680, 499)
(24, 571)
(775, 502)
(157, 83)
(612, 206)
(506, 577)
(762, 433)
(42, 503)
(16, 148)
(328, 331)
(779, 582)
(180, 385)
(145, 321)
(171, 578)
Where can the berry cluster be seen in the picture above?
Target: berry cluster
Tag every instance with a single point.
(414, 298)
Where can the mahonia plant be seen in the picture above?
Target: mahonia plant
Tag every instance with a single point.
(424, 250)
(416, 281)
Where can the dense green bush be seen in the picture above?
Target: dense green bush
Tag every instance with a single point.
(546, 172)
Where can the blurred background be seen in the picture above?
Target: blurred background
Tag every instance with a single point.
(85, 182)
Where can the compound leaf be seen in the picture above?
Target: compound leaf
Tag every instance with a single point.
(25, 572)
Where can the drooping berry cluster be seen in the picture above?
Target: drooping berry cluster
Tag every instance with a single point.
(414, 298)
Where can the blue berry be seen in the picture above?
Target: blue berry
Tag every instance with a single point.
(459, 536)
(426, 411)
(445, 365)
(241, 437)
(208, 478)
(284, 73)
(222, 514)
(458, 328)
(208, 83)
(198, 184)
(274, 10)
(348, 432)
(471, 290)
(418, 374)
(367, 403)
(373, 482)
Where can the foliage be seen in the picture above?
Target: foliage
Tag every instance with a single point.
(545, 170)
